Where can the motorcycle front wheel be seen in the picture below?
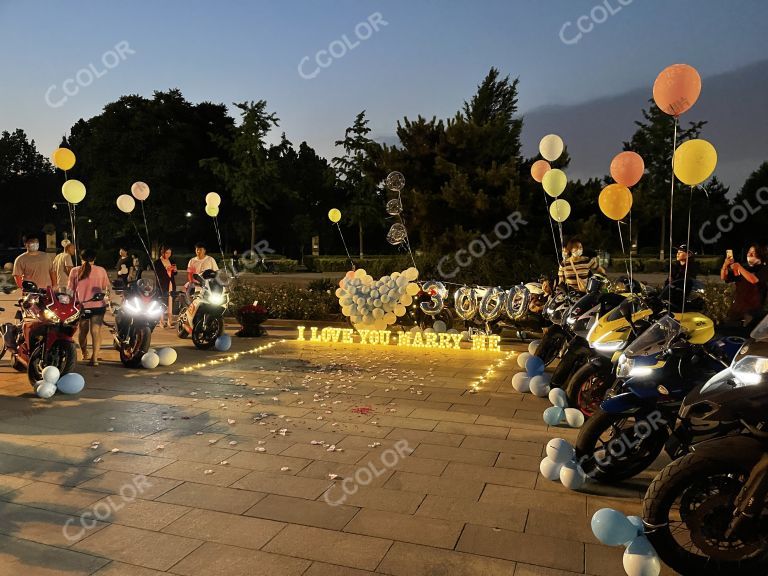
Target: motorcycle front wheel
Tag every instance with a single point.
(587, 387)
(205, 332)
(131, 352)
(551, 344)
(615, 447)
(61, 354)
(181, 322)
(689, 507)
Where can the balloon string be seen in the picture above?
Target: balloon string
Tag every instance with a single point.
(73, 221)
(345, 245)
(145, 223)
(631, 282)
(146, 250)
(623, 250)
(221, 247)
(671, 213)
(551, 227)
(687, 247)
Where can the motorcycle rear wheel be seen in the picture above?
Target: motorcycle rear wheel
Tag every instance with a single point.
(689, 505)
(61, 354)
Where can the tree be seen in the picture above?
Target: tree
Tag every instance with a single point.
(28, 186)
(354, 176)
(653, 140)
(247, 170)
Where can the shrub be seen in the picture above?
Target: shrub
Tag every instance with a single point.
(718, 298)
(323, 285)
(286, 301)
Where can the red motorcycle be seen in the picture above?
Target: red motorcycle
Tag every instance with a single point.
(45, 331)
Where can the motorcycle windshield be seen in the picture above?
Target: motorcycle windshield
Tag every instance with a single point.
(655, 339)
(760, 332)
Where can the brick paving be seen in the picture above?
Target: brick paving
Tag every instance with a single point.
(189, 473)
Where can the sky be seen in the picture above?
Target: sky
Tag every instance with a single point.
(393, 58)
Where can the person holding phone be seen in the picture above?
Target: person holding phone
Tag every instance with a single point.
(165, 269)
(751, 283)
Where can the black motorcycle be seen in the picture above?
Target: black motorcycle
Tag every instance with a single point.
(135, 320)
(705, 514)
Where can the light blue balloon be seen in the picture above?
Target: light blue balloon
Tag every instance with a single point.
(553, 415)
(223, 343)
(638, 523)
(71, 383)
(534, 366)
(612, 527)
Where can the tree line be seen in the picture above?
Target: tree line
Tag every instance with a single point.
(464, 174)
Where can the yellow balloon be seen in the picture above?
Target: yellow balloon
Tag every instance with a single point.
(694, 161)
(560, 210)
(63, 158)
(334, 215)
(554, 182)
(212, 210)
(73, 191)
(412, 289)
(615, 201)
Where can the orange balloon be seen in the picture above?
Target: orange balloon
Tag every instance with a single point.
(627, 168)
(677, 88)
(615, 201)
(539, 168)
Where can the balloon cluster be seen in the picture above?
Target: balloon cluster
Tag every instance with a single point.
(613, 528)
(374, 305)
(139, 191)
(53, 381)
(559, 411)
(553, 180)
(560, 464)
(72, 190)
(533, 380)
(154, 358)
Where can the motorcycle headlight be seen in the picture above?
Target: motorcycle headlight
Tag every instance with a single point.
(72, 318)
(624, 366)
(50, 316)
(750, 370)
(216, 298)
(610, 346)
(133, 306)
(154, 310)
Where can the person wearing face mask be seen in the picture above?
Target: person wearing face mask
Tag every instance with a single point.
(751, 284)
(34, 265)
(576, 268)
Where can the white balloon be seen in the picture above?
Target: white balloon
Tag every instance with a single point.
(521, 382)
(560, 450)
(539, 386)
(125, 203)
(150, 360)
(558, 397)
(533, 346)
(640, 558)
(574, 417)
(551, 147)
(45, 389)
(51, 374)
(212, 199)
(439, 326)
(167, 356)
(572, 476)
(522, 359)
(550, 469)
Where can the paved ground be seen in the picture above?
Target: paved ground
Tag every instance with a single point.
(286, 462)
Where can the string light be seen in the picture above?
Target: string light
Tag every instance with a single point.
(231, 357)
(490, 371)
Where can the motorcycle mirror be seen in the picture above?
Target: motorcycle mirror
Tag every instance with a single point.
(118, 284)
(28, 286)
(197, 278)
(98, 297)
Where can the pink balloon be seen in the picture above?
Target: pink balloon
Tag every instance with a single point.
(539, 168)
(627, 168)
(140, 191)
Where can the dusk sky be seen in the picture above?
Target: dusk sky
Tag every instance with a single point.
(426, 57)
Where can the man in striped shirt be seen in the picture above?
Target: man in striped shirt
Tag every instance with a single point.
(577, 268)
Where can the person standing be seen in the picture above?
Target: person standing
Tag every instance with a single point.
(63, 263)
(576, 269)
(751, 282)
(124, 266)
(33, 265)
(200, 263)
(165, 269)
(86, 281)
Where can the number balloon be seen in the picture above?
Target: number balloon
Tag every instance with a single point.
(492, 304)
(437, 292)
(465, 302)
(516, 302)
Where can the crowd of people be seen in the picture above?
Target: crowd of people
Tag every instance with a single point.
(750, 278)
(88, 279)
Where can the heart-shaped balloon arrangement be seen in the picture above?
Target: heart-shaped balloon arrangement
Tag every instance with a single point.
(375, 304)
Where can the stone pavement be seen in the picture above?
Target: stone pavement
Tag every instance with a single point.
(305, 459)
